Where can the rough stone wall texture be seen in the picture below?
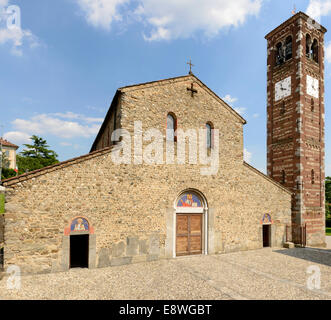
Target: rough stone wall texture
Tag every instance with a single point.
(295, 129)
(2, 217)
(127, 204)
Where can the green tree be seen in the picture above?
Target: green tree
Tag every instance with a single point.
(39, 149)
(35, 156)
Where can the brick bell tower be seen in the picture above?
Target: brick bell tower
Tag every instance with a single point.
(295, 126)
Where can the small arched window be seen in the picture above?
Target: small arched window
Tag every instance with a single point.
(171, 127)
(315, 51)
(288, 48)
(308, 46)
(312, 105)
(312, 176)
(283, 177)
(279, 54)
(210, 135)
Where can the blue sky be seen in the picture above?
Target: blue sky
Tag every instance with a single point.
(59, 72)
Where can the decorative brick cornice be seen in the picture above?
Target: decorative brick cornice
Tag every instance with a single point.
(291, 20)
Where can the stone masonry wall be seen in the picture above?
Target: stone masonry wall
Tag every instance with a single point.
(128, 205)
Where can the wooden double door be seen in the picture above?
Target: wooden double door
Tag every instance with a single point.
(188, 234)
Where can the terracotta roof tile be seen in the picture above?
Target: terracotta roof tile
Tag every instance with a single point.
(7, 143)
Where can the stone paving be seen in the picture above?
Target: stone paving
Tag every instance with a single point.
(259, 274)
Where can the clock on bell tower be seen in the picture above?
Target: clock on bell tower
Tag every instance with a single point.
(295, 125)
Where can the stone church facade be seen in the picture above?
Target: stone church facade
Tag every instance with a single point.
(94, 212)
(130, 213)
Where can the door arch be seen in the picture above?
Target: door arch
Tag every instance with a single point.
(79, 244)
(266, 230)
(191, 224)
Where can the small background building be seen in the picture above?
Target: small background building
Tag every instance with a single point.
(10, 151)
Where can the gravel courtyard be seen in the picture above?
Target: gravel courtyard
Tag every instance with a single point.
(259, 274)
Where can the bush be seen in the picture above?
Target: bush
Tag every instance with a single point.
(27, 164)
(328, 223)
(7, 173)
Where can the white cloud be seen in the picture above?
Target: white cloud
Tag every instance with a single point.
(71, 115)
(229, 99)
(247, 156)
(172, 19)
(49, 124)
(101, 13)
(318, 8)
(14, 35)
(17, 137)
(241, 111)
(256, 115)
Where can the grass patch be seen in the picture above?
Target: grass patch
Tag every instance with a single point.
(2, 203)
(328, 231)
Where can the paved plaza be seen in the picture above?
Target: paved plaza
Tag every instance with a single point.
(259, 274)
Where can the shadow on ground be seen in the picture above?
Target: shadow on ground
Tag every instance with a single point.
(320, 256)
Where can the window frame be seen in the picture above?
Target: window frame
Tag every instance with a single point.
(174, 118)
(210, 134)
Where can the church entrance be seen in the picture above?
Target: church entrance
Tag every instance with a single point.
(266, 235)
(79, 247)
(191, 224)
(189, 234)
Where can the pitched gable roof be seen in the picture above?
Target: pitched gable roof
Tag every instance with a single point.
(181, 78)
(156, 83)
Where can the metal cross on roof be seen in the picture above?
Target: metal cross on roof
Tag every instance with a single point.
(191, 65)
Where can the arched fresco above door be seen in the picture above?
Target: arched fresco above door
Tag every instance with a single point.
(79, 224)
(189, 200)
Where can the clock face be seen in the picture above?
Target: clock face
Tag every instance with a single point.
(312, 86)
(283, 88)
